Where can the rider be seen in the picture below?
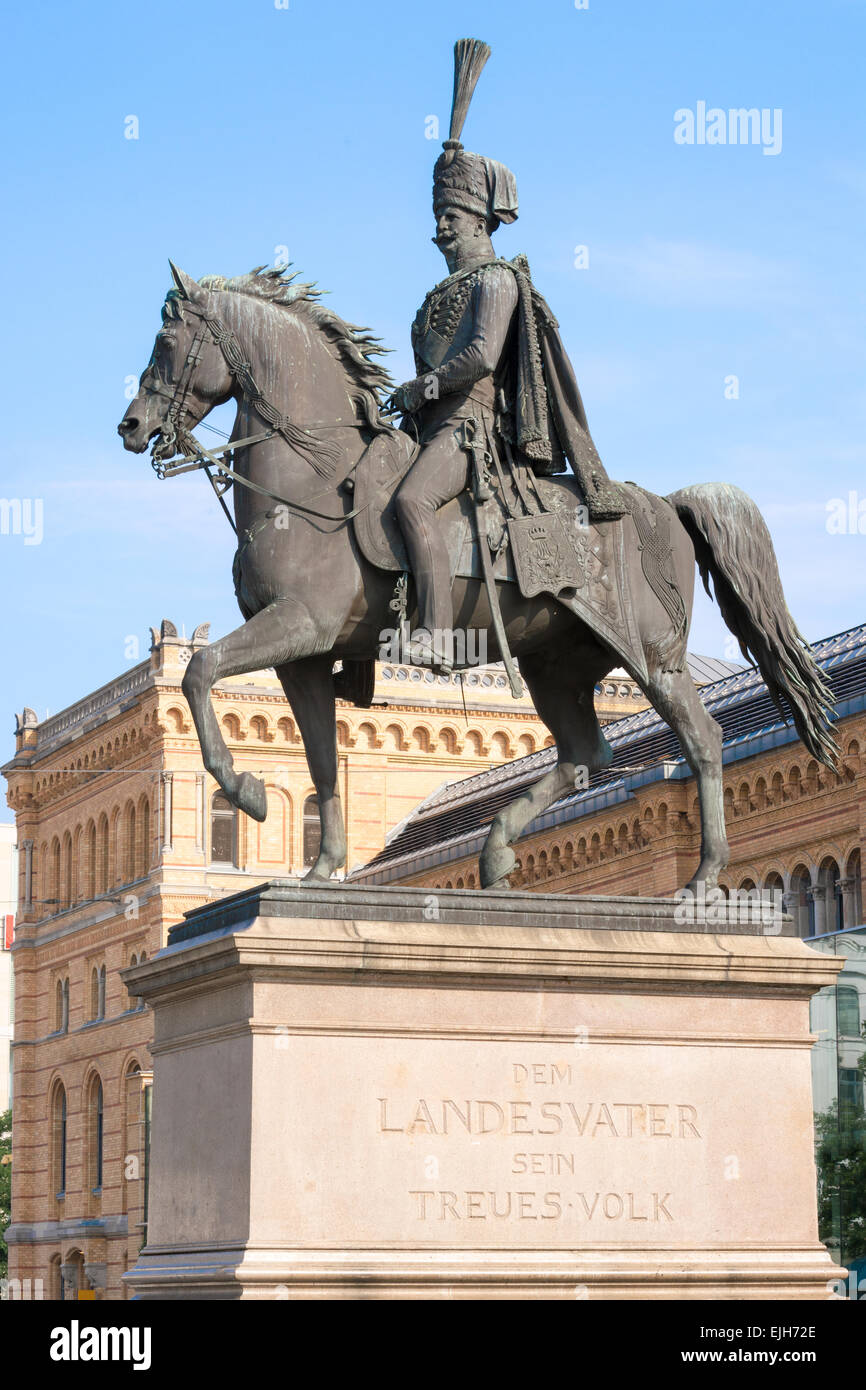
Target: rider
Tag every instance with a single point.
(486, 345)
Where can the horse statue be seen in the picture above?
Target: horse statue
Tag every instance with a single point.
(314, 465)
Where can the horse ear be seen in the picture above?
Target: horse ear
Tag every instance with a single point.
(186, 286)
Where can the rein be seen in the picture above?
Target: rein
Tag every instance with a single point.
(324, 456)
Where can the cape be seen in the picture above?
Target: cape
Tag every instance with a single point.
(550, 420)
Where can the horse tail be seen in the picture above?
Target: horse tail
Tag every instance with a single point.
(734, 548)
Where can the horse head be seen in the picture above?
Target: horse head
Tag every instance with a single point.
(186, 377)
(269, 343)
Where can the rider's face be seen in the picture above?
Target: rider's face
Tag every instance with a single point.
(457, 231)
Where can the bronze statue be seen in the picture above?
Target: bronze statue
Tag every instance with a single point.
(570, 573)
(486, 348)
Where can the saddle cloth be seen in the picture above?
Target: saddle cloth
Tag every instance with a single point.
(601, 598)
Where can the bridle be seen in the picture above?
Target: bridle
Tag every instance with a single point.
(174, 437)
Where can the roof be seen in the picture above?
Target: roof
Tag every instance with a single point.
(705, 670)
(644, 748)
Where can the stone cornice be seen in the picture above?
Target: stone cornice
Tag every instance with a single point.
(512, 940)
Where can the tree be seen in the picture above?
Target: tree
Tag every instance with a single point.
(841, 1162)
(5, 1186)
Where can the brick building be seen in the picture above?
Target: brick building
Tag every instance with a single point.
(793, 826)
(119, 831)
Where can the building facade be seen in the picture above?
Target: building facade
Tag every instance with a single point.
(795, 829)
(8, 904)
(119, 831)
(838, 1020)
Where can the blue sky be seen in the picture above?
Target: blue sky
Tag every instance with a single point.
(262, 127)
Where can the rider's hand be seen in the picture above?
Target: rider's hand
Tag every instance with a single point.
(409, 397)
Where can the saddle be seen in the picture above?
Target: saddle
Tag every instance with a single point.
(583, 566)
(377, 478)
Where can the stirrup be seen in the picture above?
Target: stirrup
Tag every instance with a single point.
(420, 651)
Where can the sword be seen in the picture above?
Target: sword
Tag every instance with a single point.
(482, 492)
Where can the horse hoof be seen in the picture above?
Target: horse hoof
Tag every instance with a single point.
(251, 796)
(708, 877)
(495, 866)
(314, 880)
(502, 885)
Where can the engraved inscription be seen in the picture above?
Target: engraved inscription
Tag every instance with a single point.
(543, 1101)
(549, 1206)
(617, 1119)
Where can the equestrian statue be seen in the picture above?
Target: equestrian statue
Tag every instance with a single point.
(464, 518)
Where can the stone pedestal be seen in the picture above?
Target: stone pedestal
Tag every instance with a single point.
(384, 1093)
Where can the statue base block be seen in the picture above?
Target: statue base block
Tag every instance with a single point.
(386, 1093)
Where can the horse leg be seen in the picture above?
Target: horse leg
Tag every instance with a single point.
(562, 687)
(673, 695)
(309, 687)
(281, 632)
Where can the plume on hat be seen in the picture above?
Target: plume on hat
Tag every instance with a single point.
(470, 55)
(471, 181)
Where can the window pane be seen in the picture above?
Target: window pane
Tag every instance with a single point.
(312, 831)
(222, 839)
(850, 1089)
(849, 1011)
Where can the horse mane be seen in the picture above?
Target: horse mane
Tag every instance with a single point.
(354, 346)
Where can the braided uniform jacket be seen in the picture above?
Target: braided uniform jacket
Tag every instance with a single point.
(463, 336)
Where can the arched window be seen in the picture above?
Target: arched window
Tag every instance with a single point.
(66, 885)
(55, 1280)
(54, 878)
(854, 885)
(128, 857)
(97, 992)
(232, 727)
(773, 895)
(90, 863)
(143, 856)
(102, 856)
(61, 1006)
(312, 831)
(828, 879)
(223, 831)
(131, 1130)
(799, 901)
(76, 885)
(58, 1140)
(96, 1120)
